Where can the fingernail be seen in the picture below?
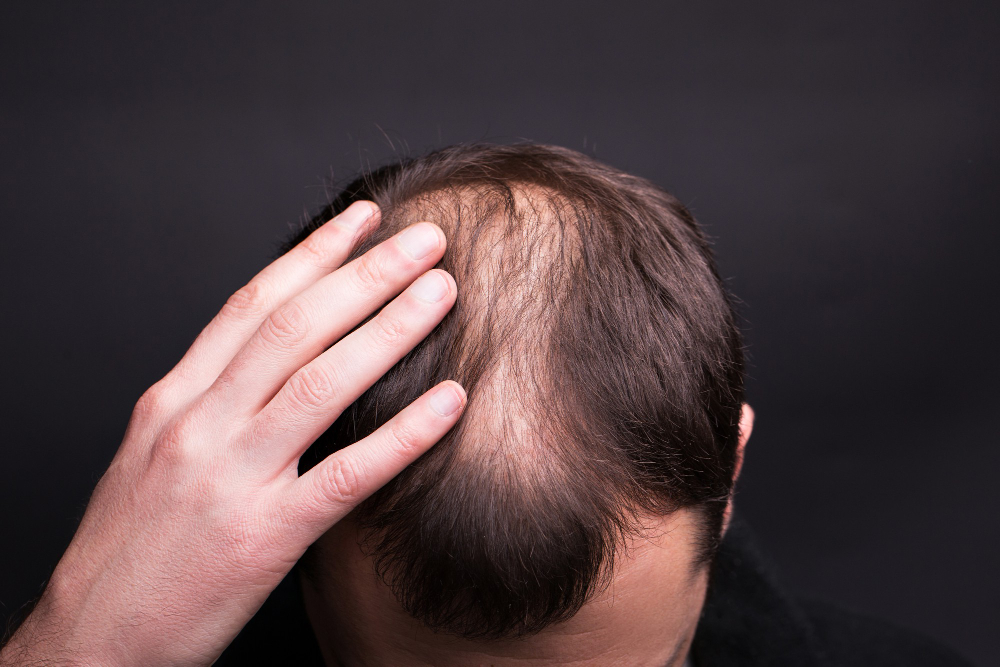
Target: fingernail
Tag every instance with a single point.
(446, 400)
(356, 215)
(430, 287)
(419, 240)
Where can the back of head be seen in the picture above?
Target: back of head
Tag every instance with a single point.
(604, 372)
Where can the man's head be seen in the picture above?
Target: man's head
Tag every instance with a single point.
(604, 371)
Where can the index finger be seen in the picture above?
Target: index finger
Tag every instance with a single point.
(323, 251)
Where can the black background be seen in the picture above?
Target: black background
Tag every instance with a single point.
(844, 157)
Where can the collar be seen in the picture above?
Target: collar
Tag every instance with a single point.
(749, 618)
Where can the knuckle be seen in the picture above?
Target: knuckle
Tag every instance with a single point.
(389, 332)
(285, 327)
(154, 403)
(312, 388)
(369, 273)
(342, 481)
(249, 301)
(176, 445)
(404, 437)
(319, 247)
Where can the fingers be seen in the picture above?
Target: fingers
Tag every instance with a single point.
(320, 253)
(315, 395)
(331, 489)
(300, 329)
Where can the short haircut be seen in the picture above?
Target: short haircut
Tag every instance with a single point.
(604, 369)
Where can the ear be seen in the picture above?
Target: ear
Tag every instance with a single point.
(746, 428)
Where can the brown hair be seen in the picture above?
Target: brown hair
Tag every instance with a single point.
(604, 369)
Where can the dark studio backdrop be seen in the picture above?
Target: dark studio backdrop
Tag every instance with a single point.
(844, 157)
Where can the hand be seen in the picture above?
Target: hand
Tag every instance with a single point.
(202, 511)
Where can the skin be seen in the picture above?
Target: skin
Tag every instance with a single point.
(202, 511)
(646, 616)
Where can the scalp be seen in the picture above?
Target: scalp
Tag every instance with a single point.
(604, 374)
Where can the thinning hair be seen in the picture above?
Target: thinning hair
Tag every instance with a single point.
(604, 369)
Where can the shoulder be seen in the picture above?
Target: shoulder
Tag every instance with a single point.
(751, 619)
(847, 638)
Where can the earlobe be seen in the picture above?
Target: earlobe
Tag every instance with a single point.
(746, 428)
